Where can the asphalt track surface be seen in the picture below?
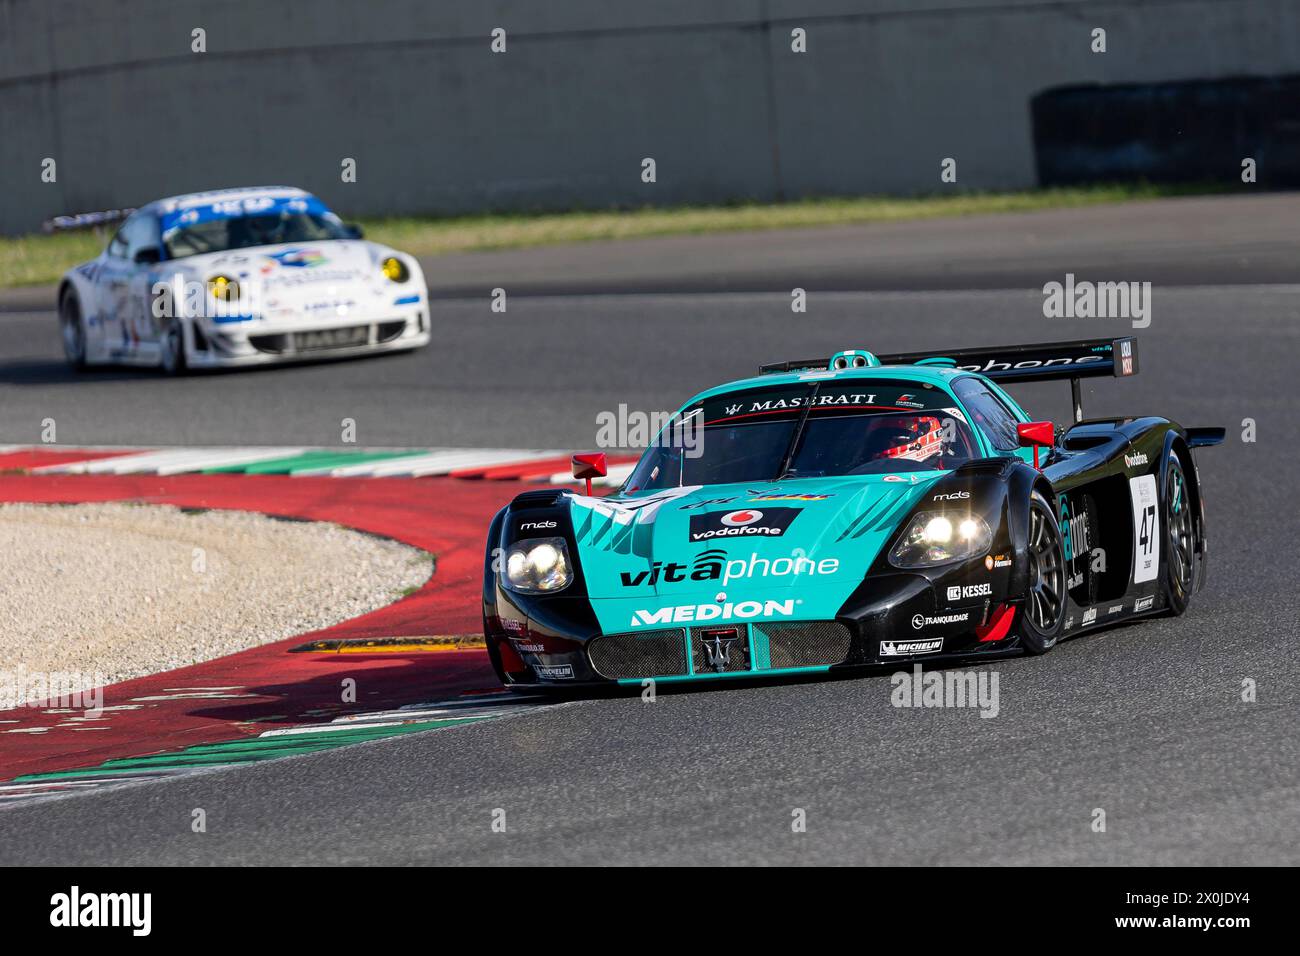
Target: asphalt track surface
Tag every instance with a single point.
(1145, 722)
(590, 326)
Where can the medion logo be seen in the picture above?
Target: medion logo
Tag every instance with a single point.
(714, 612)
(74, 908)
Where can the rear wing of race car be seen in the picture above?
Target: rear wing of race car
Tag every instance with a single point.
(1039, 362)
(85, 220)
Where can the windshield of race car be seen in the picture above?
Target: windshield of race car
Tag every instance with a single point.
(242, 224)
(823, 429)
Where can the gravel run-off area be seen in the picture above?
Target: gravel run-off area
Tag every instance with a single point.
(106, 592)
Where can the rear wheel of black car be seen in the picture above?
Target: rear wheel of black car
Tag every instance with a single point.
(1180, 536)
(1043, 615)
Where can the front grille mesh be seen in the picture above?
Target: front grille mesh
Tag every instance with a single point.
(279, 343)
(774, 646)
(642, 654)
(803, 644)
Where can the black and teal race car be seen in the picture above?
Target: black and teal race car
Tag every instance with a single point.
(848, 511)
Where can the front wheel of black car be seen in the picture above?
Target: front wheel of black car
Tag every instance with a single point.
(1180, 536)
(1043, 615)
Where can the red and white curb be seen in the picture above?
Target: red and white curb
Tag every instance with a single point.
(499, 464)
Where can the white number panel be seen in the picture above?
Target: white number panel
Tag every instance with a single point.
(1146, 528)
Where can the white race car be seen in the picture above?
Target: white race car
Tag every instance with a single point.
(239, 277)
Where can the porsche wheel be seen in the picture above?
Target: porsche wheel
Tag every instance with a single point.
(1043, 616)
(1180, 536)
(72, 330)
(173, 349)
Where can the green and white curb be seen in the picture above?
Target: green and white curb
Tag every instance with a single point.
(268, 745)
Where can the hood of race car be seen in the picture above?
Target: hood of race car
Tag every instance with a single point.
(330, 277)
(808, 541)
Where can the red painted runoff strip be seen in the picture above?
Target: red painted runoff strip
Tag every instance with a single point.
(515, 470)
(258, 689)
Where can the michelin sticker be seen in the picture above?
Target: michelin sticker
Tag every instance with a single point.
(1146, 528)
(908, 648)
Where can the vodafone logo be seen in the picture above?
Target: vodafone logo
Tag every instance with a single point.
(745, 523)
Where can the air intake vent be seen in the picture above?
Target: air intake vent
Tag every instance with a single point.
(806, 644)
(643, 654)
(548, 498)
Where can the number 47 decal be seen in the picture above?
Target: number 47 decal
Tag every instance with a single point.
(1146, 529)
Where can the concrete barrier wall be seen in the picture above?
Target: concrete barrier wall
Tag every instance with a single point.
(587, 88)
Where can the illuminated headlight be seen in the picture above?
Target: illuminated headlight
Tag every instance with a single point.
(537, 566)
(395, 269)
(933, 539)
(224, 288)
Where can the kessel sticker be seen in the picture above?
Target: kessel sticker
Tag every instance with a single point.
(960, 592)
(1146, 529)
(746, 523)
(910, 648)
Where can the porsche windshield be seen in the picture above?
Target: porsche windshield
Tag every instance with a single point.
(243, 224)
(863, 427)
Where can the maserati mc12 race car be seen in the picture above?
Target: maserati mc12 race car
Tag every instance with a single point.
(853, 510)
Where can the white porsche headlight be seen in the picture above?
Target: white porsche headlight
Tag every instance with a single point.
(537, 566)
(394, 269)
(223, 288)
(933, 539)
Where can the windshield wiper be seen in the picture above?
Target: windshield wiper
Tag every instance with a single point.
(787, 460)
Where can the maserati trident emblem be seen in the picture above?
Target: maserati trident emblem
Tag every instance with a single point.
(717, 646)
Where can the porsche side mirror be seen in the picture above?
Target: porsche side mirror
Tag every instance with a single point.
(590, 466)
(354, 231)
(1036, 435)
(148, 256)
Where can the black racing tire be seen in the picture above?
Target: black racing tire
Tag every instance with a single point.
(1042, 617)
(494, 660)
(172, 357)
(72, 329)
(1179, 526)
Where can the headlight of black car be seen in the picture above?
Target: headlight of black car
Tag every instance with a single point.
(537, 566)
(938, 538)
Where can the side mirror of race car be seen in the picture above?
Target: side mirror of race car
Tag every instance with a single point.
(1036, 435)
(590, 466)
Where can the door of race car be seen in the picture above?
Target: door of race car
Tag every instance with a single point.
(129, 325)
(110, 289)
